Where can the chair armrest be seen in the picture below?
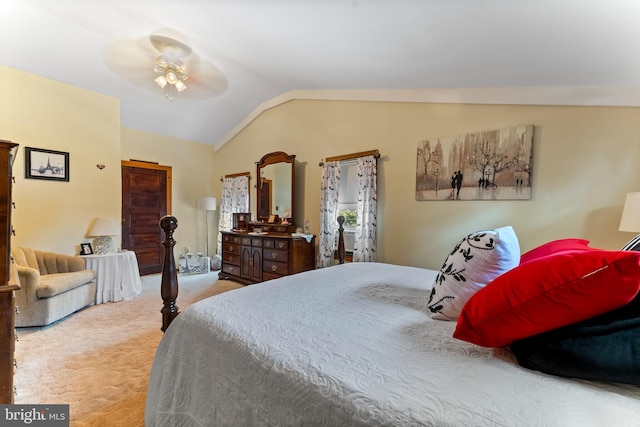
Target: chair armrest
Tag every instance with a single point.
(29, 279)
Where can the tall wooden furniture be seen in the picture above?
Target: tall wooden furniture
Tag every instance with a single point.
(267, 248)
(8, 276)
(251, 258)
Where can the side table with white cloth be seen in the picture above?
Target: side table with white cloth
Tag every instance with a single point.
(117, 276)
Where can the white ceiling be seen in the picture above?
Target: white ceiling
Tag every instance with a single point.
(576, 52)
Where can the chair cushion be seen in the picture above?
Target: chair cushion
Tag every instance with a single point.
(57, 283)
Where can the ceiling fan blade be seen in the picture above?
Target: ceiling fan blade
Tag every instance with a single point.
(205, 79)
(131, 60)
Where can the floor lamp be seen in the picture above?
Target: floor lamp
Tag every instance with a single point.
(207, 204)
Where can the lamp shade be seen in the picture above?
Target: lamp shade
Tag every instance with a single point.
(631, 213)
(103, 227)
(207, 203)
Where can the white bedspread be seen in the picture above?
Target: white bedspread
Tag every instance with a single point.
(354, 345)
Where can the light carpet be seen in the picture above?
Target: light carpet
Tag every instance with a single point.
(98, 359)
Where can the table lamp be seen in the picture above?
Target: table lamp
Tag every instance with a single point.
(631, 220)
(103, 229)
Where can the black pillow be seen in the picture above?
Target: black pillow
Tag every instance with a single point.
(603, 348)
(633, 244)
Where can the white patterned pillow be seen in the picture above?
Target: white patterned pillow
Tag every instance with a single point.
(478, 259)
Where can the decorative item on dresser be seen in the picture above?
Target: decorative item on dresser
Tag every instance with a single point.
(9, 282)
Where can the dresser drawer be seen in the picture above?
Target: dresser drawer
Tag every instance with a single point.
(231, 258)
(269, 276)
(276, 255)
(275, 267)
(226, 238)
(231, 269)
(276, 243)
(231, 248)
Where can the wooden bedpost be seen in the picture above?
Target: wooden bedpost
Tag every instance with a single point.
(169, 285)
(341, 251)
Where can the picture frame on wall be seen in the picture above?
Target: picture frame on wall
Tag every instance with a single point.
(86, 249)
(489, 165)
(45, 164)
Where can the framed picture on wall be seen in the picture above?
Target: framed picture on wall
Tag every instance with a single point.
(46, 164)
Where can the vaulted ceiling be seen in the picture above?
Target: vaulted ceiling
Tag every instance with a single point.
(260, 53)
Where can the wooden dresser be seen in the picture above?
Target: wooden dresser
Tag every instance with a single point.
(249, 258)
(8, 275)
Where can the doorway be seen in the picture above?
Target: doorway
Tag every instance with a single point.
(146, 197)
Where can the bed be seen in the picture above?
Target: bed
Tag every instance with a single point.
(354, 345)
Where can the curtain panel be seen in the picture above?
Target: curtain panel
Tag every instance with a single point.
(364, 247)
(329, 191)
(235, 198)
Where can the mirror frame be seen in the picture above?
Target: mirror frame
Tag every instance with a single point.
(269, 159)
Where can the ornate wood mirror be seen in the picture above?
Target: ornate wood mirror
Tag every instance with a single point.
(275, 186)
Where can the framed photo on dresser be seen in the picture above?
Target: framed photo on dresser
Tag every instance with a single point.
(241, 220)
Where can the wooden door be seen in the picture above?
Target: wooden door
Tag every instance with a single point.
(146, 197)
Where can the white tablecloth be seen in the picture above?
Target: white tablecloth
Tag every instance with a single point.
(117, 276)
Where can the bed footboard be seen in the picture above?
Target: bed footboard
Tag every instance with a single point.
(169, 285)
(341, 251)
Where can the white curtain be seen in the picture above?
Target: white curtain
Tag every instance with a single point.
(329, 189)
(235, 198)
(364, 247)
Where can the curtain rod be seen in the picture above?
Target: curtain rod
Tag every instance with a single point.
(235, 175)
(374, 153)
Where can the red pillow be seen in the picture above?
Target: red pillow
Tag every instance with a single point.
(555, 247)
(548, 293)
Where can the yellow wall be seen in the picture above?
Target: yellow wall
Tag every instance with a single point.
(585, 161)
(40, 113)
(55, 216)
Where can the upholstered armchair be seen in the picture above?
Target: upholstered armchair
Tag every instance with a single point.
(52, 286)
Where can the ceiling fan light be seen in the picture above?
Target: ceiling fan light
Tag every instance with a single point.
(180, 86)
(161, 80)
(171, 77)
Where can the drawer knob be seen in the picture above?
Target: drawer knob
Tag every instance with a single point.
(230, 259)
(230, 269)
(230, 248)
(274, 267)
(281, 245)
(274, 255)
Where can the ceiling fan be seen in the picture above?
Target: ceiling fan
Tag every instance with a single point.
(162, 62)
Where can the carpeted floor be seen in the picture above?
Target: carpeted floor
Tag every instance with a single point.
(98, 359)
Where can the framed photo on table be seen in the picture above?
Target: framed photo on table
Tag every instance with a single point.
(86, 249)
